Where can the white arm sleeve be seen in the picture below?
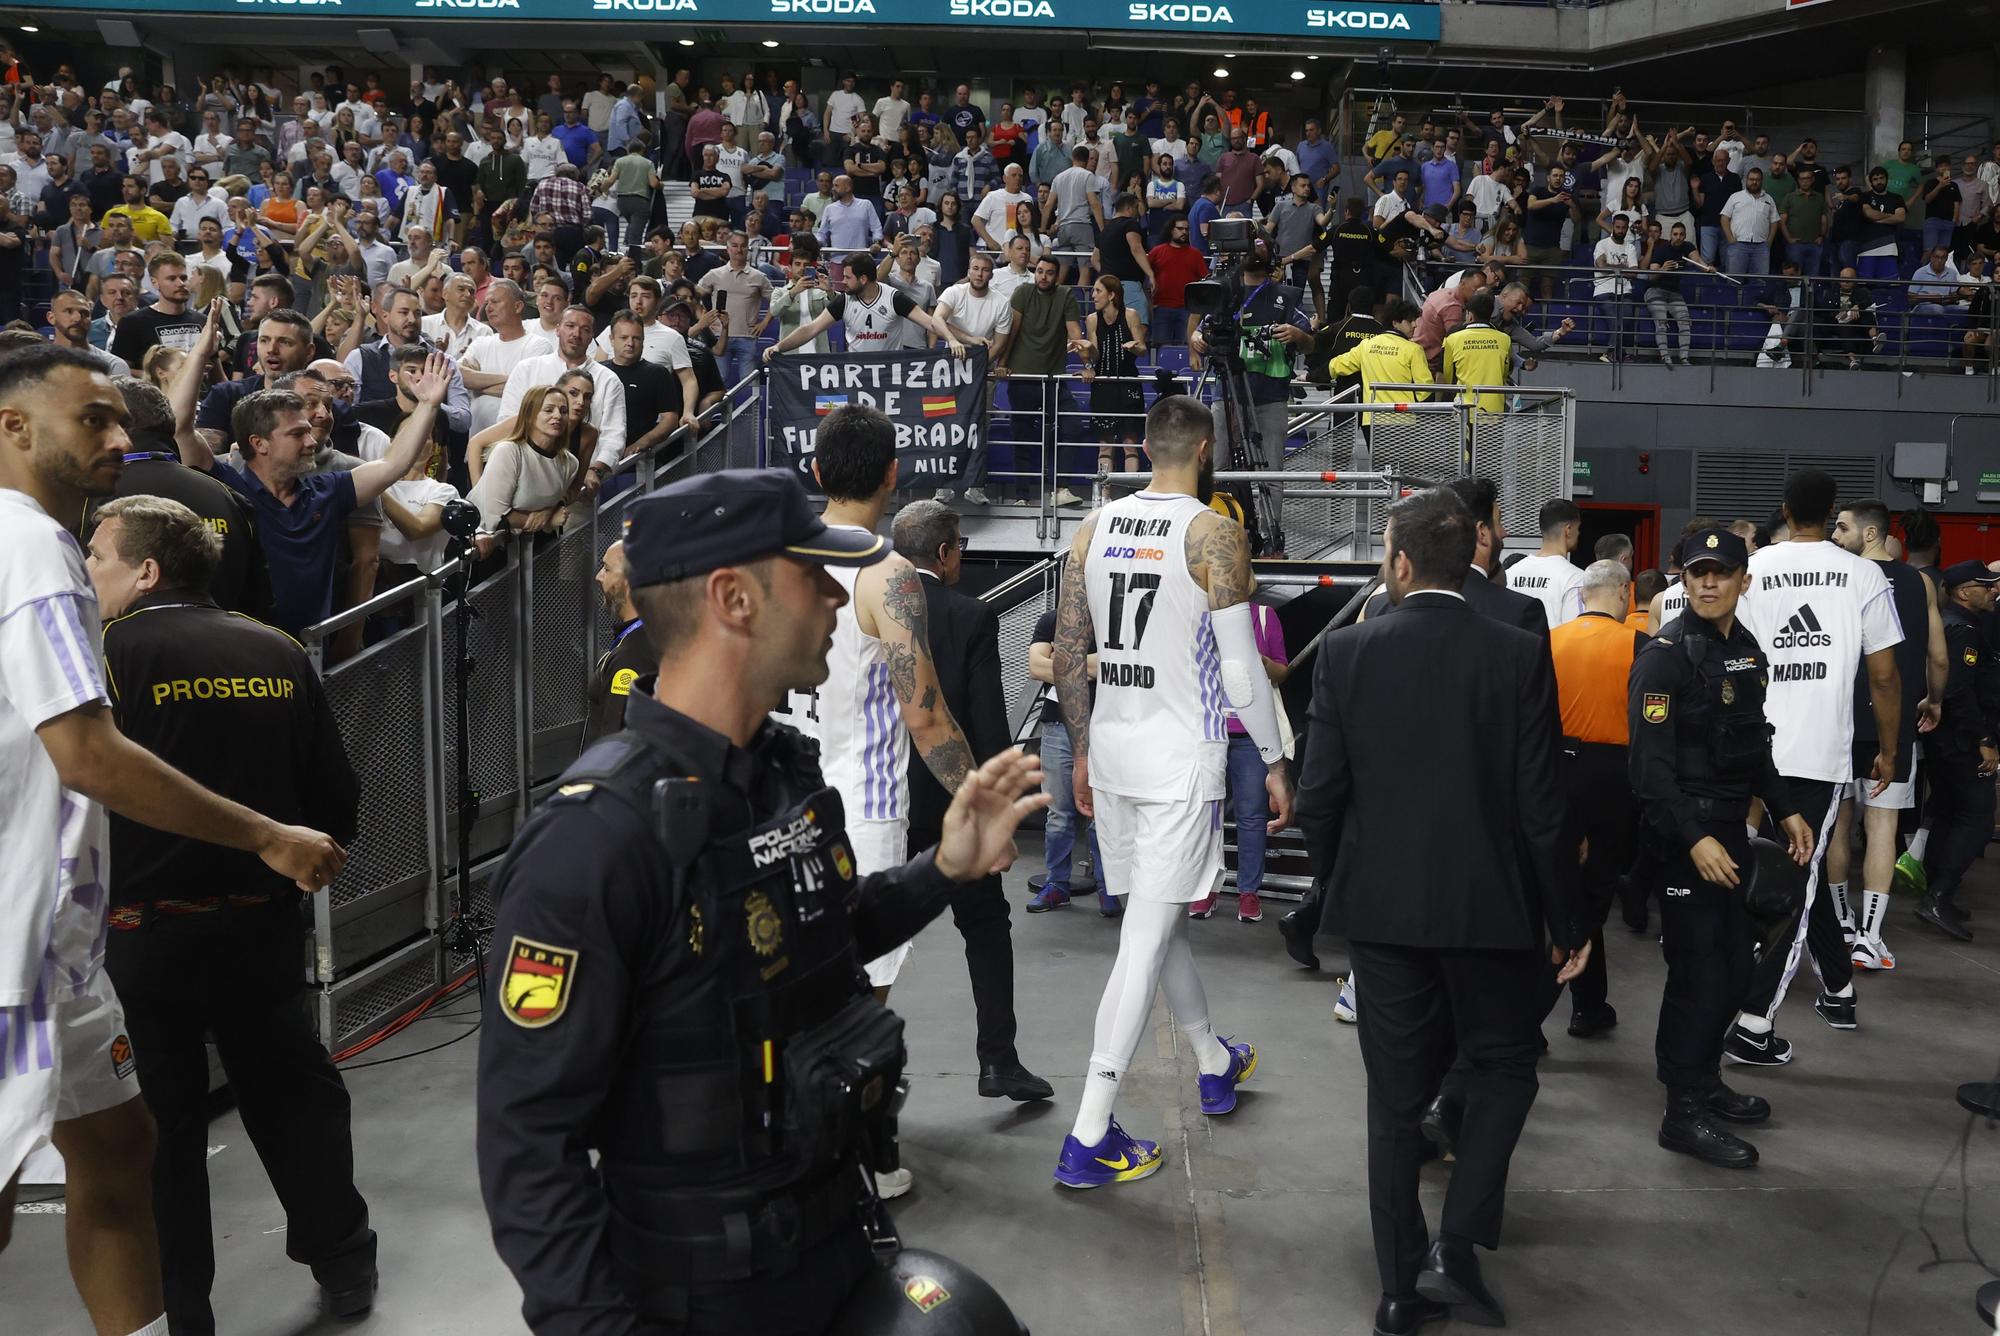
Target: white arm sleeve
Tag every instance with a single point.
(1245, 685)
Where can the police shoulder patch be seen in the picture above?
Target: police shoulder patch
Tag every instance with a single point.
(1971, 656)
(925, 1293)
(1653, 709)
(536, 984)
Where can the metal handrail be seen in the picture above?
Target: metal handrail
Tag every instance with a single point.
(409, 589)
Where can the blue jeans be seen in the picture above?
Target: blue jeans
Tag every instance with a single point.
(739, 360)
(1808, 256)
(1710, 241)
(1135, 299)
(1937, 232)
(1168, 327)
(1059, 834)
(1747, 257)
(1252, 808)
(1621, 320)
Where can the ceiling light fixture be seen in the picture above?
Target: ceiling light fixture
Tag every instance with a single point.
(29, 27)
(770, 43)
(1221, 73)
(687, 41)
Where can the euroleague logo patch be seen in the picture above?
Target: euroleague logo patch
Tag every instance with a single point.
(123, 1064)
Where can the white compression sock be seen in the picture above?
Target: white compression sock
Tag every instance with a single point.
(1842, 910)
(1919, 842)
(1874, 904)
(1189, 1003)
(1093, 1111)
(1753, 831)
(157, 1327)
(1754, 1024)
(1145, 938)
(1844, 993)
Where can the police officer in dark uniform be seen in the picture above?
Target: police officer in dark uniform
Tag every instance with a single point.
(631, 654)
(206, 941)
(1960, 753)
(242, 581)
(1700, 750)
(675, 979)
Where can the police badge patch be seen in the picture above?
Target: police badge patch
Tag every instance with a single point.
(925, 1293)
(1654, 708)
(1728, 692)
(761, 921)
(534, 989)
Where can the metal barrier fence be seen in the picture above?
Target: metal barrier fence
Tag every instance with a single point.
(538, 629)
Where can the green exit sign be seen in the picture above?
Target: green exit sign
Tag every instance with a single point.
(1989, 480)
(1581, 470)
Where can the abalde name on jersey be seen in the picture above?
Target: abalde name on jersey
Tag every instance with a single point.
(1530, 581)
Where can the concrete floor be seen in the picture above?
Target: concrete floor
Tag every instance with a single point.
(1258, 1222)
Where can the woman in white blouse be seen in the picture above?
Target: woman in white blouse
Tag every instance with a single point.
(531, 477)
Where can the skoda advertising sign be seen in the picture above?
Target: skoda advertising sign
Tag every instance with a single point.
(1331, 19)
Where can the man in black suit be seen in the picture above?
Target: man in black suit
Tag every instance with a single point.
(965, 645)
(1484, 587)
(1486, 592)
(1446, 935)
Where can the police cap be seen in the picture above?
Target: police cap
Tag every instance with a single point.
(1968, 572)
(1719, 546)
(731, 517)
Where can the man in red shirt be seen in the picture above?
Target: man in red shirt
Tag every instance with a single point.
(1176, 263)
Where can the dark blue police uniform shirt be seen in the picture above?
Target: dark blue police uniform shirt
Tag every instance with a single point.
(301, 541)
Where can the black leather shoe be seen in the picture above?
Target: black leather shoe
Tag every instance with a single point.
(1933, 911)
(1689, 1128)
(1440, 1123)
(1298, 942)
(349, 1299)
(1450, 1275)
(1400, 1317)
(1736, 1107)
(1588, 1024)
(1011, 1080)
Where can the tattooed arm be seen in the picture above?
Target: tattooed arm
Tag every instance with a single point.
(902, 623)
(1218, 557)
(1070, 653)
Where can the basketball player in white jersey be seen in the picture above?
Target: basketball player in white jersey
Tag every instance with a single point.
(1164, 584)
(1550, 577)
(1671, 602)
(881, 689)
(1820, 613)
(871, 315)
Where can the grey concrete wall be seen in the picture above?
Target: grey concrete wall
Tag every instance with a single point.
(1691, 418)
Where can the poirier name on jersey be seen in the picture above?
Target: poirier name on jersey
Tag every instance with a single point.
(1157, 729)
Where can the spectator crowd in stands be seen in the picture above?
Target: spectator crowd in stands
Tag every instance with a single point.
(327, 243)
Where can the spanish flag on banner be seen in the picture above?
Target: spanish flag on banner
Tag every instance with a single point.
(940, 405)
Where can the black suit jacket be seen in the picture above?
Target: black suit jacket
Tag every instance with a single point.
(1488, 595)
(965, 645)
(1430, 797)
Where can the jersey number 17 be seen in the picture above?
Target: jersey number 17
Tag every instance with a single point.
(1143, 587)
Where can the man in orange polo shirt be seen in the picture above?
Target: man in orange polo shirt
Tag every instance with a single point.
(1593, 657)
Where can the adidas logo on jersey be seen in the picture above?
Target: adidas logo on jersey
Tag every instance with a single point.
(1803, 631)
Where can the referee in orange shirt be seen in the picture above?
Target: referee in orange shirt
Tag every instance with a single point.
(1593, 657)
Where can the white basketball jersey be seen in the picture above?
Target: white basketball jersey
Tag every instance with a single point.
(864, 747)
(1673, 602)
(872, 326)
(1554, 582)
(1157, 730)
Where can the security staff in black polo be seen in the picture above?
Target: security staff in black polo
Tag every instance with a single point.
(631, 654)
(206, 941)
(1700, 750)
(242, 581)
(1961, 753)
(675, 981)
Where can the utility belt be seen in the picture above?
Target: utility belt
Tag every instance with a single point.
(724, 1236)
(132, 917)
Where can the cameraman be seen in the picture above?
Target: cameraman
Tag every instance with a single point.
(1275, 332)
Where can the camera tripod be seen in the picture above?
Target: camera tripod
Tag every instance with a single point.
(1262, 505)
